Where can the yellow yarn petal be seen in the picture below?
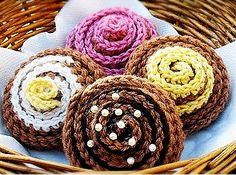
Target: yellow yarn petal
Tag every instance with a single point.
(41, 93)
(182, 72)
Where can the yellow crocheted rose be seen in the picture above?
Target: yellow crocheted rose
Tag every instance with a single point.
(182, 72)
(41, 93)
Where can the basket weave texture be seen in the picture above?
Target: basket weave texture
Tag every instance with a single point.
(213, 22)
(222, 161)
(20, 20)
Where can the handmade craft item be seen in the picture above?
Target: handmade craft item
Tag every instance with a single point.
(110, 36)
(122, 123)
(36, 98)
(193, 74)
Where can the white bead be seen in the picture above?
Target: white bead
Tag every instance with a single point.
(152, 147)
(137, 113)
(94, 109)
(132, 141)
(113, 136)
(121, 124)
(130, 160)
(118, 112)
(115, 96)
(105, 112)
(98, 127)
(90, 143)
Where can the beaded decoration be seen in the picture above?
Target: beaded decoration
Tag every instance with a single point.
(192, 73)
(110, 36)
(122, 123)
(36, 99)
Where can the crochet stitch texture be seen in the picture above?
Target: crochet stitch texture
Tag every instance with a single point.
(110, 36)
(191, 71)
(182, 72)
(36, 98)
(122, 123)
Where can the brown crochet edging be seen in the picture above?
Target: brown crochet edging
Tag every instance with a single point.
(159, 124)
(87, 71)
(209, 112)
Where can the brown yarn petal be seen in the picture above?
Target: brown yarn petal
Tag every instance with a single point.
(158, 124)
(86, 71)
(210, 111)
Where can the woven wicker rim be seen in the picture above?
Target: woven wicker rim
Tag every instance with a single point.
(221, 161)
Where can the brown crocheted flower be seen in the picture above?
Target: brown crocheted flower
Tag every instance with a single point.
(122, 123)
(193, 74)
(36, 99)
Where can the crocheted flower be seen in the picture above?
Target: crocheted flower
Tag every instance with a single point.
(110, 36)
(36, 99)
(190, 71)
(121, 123)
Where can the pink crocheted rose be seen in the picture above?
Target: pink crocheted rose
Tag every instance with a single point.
(110, 36)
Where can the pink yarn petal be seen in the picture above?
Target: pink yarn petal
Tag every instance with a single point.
(110, 36)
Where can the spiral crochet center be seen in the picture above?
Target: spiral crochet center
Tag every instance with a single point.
(110, 36)
(41, 94)
(122, 123)
(41, 91)
(118, 141)
(184, 73)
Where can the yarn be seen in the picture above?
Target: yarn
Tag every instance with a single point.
(35, 100)
(191, 71)
(137, 130)
(110, 36)
(182, 72)
(41, 94)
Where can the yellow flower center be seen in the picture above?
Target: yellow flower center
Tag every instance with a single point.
(182, 72)
(41, 94)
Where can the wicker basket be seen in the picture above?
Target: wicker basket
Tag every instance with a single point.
(20, 20)
(221, 161)
(213, 22)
